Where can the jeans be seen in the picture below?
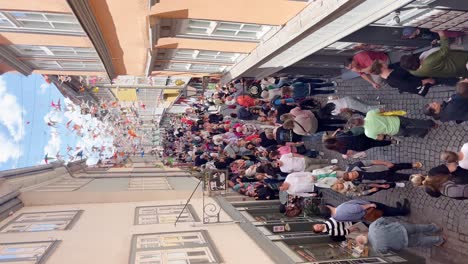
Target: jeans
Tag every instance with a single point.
(414, 127)
(317, 137)
(417, 236)
(312, 164)
(301, 90)
(388, 210)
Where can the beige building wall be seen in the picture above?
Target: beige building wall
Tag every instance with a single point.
(205, 44)
(271, 12)
(58, 6)
(103, 234)
(125, 31)
(19, 38)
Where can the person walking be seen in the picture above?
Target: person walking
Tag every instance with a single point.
(377, 126)
(361, 210)
(441, 62)
(454, 109)
(378, 171)
(362, 62)
(293, 162)
(337, 230)
(299, 184)
(349, 144)
(351, 104)
(385, 235)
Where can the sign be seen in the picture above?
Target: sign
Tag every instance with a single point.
(217, 180)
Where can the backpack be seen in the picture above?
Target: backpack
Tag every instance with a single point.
(276, 97)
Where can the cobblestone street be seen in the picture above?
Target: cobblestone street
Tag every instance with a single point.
(448, 213)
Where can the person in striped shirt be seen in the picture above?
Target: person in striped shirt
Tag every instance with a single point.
(337, 230)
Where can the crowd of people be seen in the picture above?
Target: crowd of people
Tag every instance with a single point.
(265, 141)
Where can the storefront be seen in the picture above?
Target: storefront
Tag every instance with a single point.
(293, 236)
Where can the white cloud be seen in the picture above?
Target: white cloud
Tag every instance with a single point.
(10, 150)
(53, 145)
(11, 113)
(44, 87)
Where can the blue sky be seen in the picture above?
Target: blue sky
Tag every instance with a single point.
(24, 134)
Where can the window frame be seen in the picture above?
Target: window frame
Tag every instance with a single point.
(49, 52)
(189, 209)
(183, 26)
(53, 245)
(188, 67)
(18, 25)
(68, 226)
(60, 64)
(135, 185)
(207, 245)
(201, 56)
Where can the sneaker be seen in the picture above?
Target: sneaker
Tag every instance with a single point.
(334, 161)
(442, 242)
(417, 165)
(400, 185)
(439, 229)
(334, 83)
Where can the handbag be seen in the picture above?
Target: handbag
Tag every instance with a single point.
(303, 129)
(394, 113)
(372, 214)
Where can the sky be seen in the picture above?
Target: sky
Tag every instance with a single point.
(25, 108)
(24, 102)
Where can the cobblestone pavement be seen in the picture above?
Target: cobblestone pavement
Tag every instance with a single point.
(451, 214)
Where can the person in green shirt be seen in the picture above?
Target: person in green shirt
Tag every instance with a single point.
(437, 62)
(377, 126)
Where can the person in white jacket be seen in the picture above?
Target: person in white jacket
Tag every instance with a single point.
(351, 103)
(303, 183)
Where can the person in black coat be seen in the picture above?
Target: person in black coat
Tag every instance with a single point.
(455, 109)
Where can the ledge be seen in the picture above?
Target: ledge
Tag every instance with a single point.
(85, 16)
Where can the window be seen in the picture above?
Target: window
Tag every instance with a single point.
(64, 185)
(26, 253)
(229, 30)
(206, 55)
(67, 65)
(42, 22)
(54, 51)
(196, 67)
(41, 221)
(136, 184)
(181, 247)
(164, 214)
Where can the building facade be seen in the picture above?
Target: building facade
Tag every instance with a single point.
(142, 214)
